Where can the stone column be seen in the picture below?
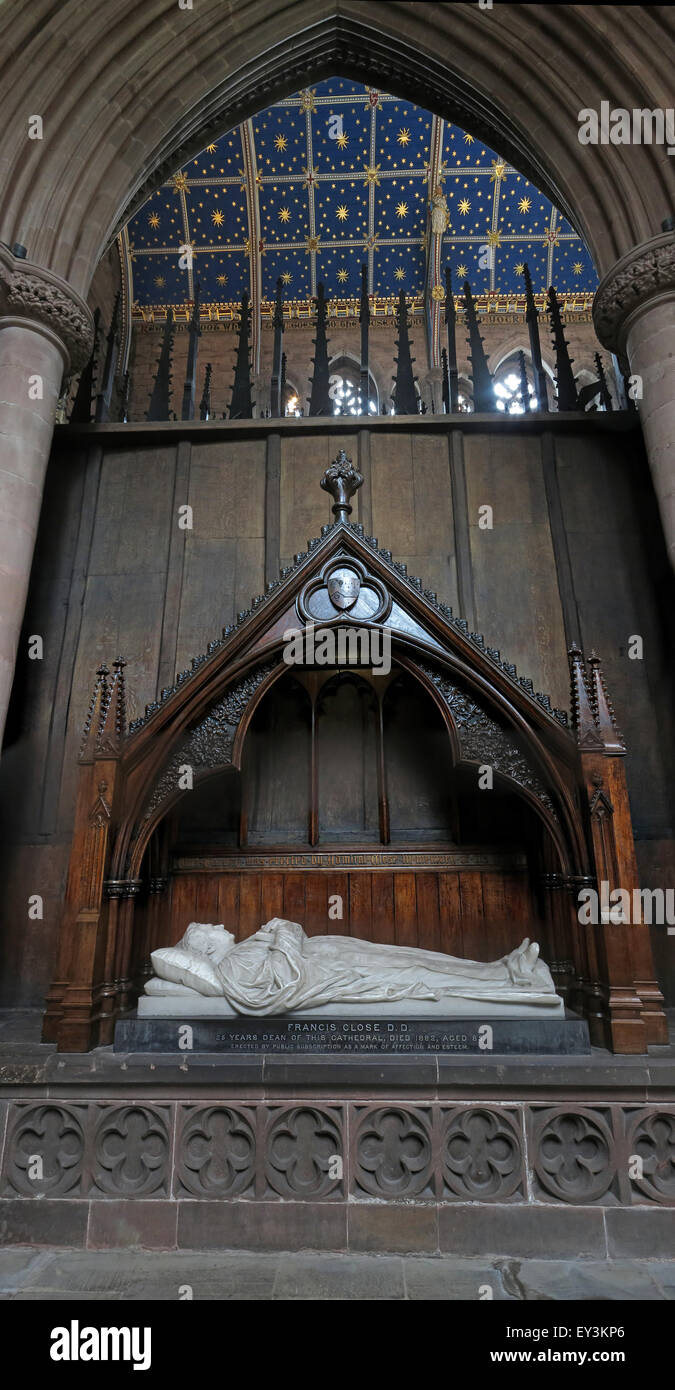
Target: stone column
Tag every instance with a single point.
(45, 332)
(432, 390)
(261, 390)
(634, 315)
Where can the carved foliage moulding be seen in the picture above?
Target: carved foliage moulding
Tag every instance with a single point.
(209, 744)
(647, 271)
(482, 740)
(28, 291)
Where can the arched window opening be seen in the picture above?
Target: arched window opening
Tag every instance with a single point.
(345, 389)
(292, 404)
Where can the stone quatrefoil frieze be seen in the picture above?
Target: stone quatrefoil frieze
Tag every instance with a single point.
(362, 1151)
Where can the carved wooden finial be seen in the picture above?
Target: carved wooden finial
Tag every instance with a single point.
(113, 723)
(341, 480)
(95, 714)
(583, 717)
(603, 709)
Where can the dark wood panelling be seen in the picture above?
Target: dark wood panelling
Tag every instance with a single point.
(405, 910)
(294, 897)
(481, 915)
(250, 909)
(428, 916)
(383, 907)
(361, 905)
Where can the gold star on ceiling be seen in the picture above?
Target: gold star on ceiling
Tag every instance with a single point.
(342, 141)
(284, 214)
(462, 272)
(154, 219)
(469, 139)
(222, 279)
(210, 149)
(520, 269)
(342, 213)
(401, 209)
(464, 206)
(342, 275)
(403, 137)
(280, 142)
(494, 238)
(217, 218)
(287, 277)
(180, 182)
(160, 282)
(525, 204)
(399, 273)
(577, 268)
(498, 170)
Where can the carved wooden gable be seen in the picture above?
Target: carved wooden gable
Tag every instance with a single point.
(345, 579)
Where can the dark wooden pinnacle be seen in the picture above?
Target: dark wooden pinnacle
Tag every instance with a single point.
(341, 480)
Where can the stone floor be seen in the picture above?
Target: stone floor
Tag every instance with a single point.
(47, 1275)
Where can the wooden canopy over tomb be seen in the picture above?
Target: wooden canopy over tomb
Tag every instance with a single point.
(443, 804)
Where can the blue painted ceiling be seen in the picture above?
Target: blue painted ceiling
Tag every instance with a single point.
(323, 180)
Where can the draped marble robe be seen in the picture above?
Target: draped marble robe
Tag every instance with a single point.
(279, 970)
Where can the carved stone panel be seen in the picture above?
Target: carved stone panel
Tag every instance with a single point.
(392, 1154)
(482, 1154)
(216, 1150)
(651, 1155)
(131, 1149)
(44, 1152)
(574, 1154)
(304, 1151)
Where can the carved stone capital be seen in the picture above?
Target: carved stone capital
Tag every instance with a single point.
(646, 273)
(30, 292)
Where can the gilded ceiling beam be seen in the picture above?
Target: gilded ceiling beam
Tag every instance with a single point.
(254, 239)
(437, 221)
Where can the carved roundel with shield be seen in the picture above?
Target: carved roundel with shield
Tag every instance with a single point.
(344, 586)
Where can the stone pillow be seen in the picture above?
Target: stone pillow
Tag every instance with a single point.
(183, 968)
(158, 988)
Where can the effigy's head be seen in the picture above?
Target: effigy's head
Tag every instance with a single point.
(208, 939)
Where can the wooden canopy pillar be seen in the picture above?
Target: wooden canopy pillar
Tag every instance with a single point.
(83, 992)
(633, 1003)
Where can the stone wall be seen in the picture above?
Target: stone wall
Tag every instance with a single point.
(423, 1155)
(575, 552)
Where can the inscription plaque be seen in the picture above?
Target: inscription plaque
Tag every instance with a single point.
(357, 1036)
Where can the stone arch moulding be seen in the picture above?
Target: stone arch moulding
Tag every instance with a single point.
(115, 135)
(491, 714)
